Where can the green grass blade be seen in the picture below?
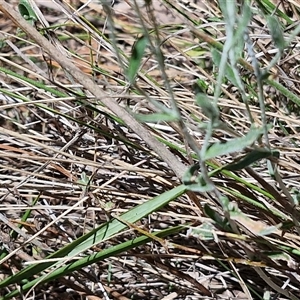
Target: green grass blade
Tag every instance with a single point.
(99, 234)
(94, 258)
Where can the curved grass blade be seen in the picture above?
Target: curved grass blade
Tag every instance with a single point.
(27, 12)
(97, 235)
(94, 258)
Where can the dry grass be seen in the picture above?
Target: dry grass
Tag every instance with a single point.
(61, 150)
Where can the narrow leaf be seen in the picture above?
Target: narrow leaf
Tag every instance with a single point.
(156, 117)
(276, 32)
(234, 145)
(208, 107)
(229, 10)
(216, 56)
(250, 158)
(138, 52)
